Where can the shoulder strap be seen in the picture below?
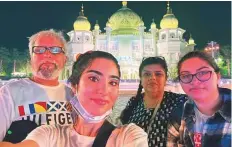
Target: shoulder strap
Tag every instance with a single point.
(103, 134)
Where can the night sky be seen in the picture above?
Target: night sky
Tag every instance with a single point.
(206, 21)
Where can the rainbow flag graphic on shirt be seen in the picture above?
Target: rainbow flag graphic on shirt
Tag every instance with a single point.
(38, 107)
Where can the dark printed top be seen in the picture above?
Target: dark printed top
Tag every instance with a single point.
(141, 116)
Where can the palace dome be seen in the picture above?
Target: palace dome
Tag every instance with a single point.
(124, 21)
(96, 27)
(153, 25)
(169, 20)
(82, 23)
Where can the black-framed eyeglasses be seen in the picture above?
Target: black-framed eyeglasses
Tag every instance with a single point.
(156, 57)
(201, 76)
(52, 49)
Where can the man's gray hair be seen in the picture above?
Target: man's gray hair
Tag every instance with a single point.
(57, 34)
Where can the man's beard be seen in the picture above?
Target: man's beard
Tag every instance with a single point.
(48, 72)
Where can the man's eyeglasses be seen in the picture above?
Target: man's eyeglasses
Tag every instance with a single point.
(42, 49)
(201, 76)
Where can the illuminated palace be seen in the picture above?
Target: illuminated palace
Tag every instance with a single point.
(125, 37)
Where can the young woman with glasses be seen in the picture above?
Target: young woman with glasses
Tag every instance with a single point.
(205, 119)
(151, 109)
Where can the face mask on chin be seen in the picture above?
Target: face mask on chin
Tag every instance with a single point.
(80, 110)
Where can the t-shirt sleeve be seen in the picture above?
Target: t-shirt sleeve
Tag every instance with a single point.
(6, 113)
(40, 135)
(134, 136)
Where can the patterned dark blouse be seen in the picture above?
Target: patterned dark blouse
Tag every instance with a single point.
(141, 116)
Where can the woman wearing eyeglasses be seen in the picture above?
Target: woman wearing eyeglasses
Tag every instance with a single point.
(151, 110)
(205, 119)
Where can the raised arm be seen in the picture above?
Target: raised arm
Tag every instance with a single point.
(175, 128)
(39, 137)
(173, 136)
(134, 136)
(27, 143)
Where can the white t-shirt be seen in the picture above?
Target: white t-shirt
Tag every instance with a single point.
(200, 120)
(65, 136)
(26, 100)
(199, 126)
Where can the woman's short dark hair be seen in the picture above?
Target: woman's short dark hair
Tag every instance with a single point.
(199, 54)
(85, 60)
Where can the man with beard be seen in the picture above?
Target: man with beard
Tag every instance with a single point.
(39, 100)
